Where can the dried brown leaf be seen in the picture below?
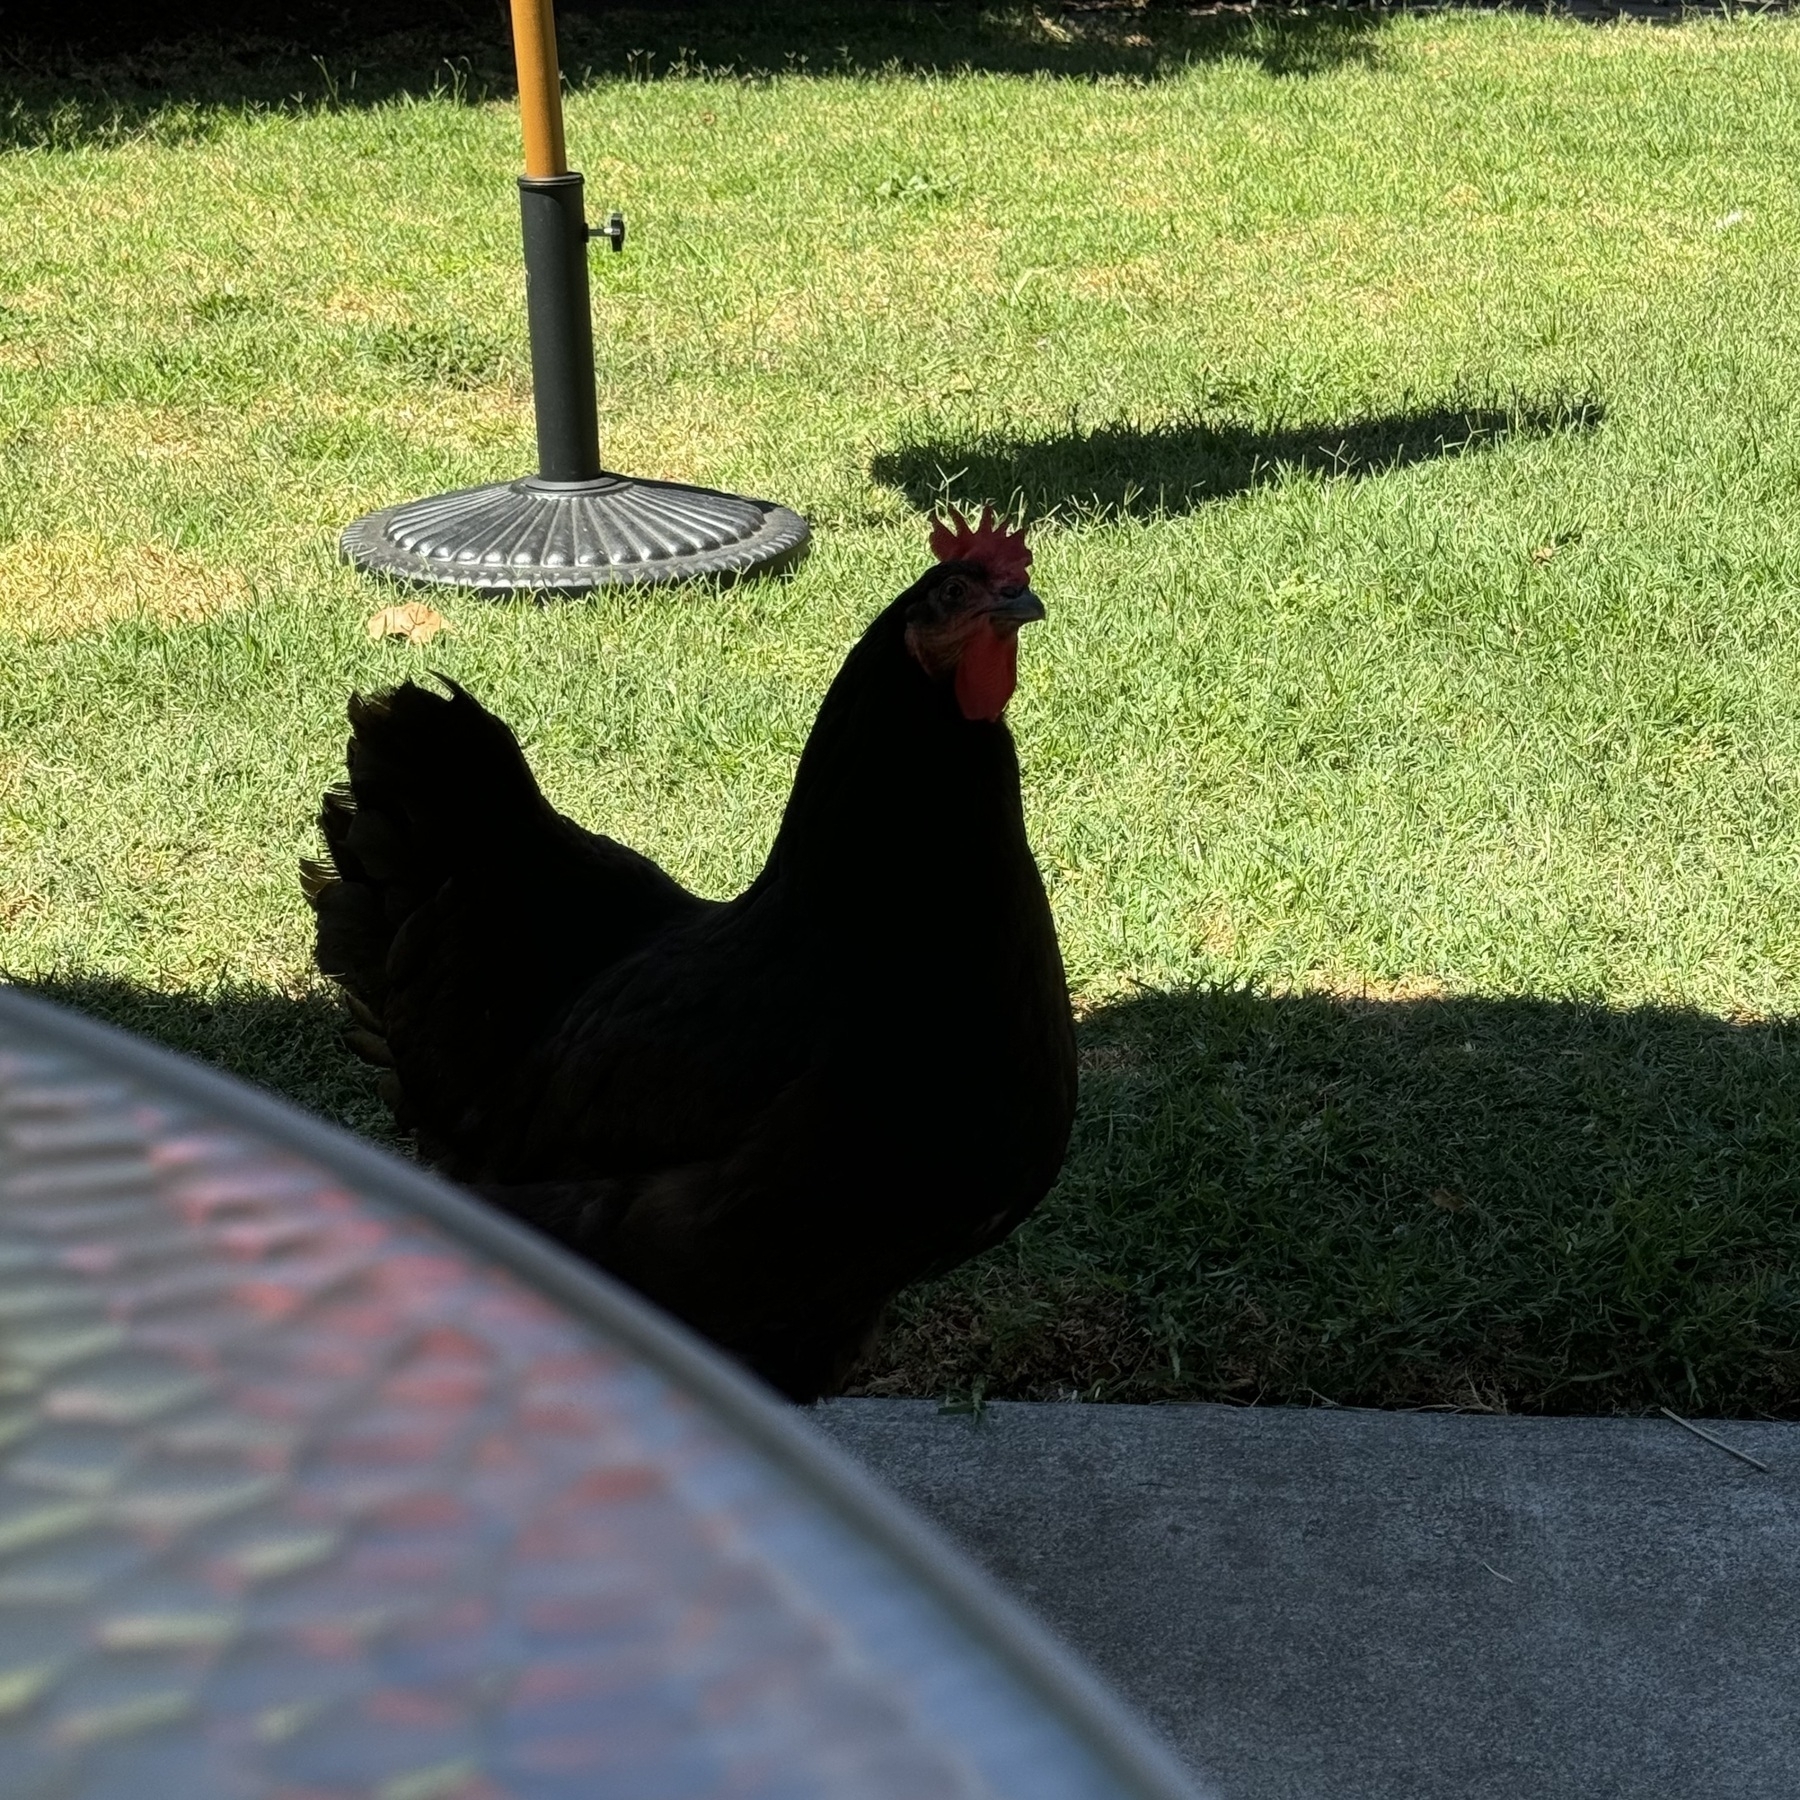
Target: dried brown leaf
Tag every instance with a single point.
(414, 623)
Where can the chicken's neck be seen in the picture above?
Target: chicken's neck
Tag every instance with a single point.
(904, 814)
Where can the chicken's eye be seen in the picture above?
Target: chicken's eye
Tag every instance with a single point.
(955, 591)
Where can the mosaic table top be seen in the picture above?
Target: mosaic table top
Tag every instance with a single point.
(320, 1482)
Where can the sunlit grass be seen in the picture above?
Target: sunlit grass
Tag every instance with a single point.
(1411, 415)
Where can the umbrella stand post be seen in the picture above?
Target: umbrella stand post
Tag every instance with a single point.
(573, 526)
(562, 332)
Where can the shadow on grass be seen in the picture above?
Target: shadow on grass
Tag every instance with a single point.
(1535, 1204)
(1523, 1204)
(1156, 470)
(111, 70)
(290, 1045)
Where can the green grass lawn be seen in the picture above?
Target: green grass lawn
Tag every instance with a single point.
(1410, 406)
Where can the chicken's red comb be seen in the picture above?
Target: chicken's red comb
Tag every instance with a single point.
(1000, 550)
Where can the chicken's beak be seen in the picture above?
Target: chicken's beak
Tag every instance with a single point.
(1022, 608)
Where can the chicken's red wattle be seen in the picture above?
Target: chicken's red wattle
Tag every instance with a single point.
(987, 674)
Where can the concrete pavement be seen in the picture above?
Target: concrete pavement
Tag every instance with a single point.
(1338, 1605)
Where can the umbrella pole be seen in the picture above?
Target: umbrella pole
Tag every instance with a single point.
(540, 87)
(556, 276)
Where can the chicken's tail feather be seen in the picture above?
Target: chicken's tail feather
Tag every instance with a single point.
(435, 783)
(455, 908)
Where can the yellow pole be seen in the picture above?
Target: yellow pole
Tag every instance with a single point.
(540, 87)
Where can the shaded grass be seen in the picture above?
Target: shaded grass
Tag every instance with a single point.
(114, 70)
(1489, 1203)
(291, 1044)
(1420, 439)
(1506, 1204)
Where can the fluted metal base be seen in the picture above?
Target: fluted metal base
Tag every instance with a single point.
(537, 536)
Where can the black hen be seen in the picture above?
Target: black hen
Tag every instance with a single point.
(768, 1114)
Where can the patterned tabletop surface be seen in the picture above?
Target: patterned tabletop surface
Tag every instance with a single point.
(307, 1494)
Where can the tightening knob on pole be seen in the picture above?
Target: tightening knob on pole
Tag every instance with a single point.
(613, 231)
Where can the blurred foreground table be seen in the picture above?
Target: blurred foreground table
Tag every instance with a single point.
(319, 1481)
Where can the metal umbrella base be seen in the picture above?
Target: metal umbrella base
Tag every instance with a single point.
(536, 535)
